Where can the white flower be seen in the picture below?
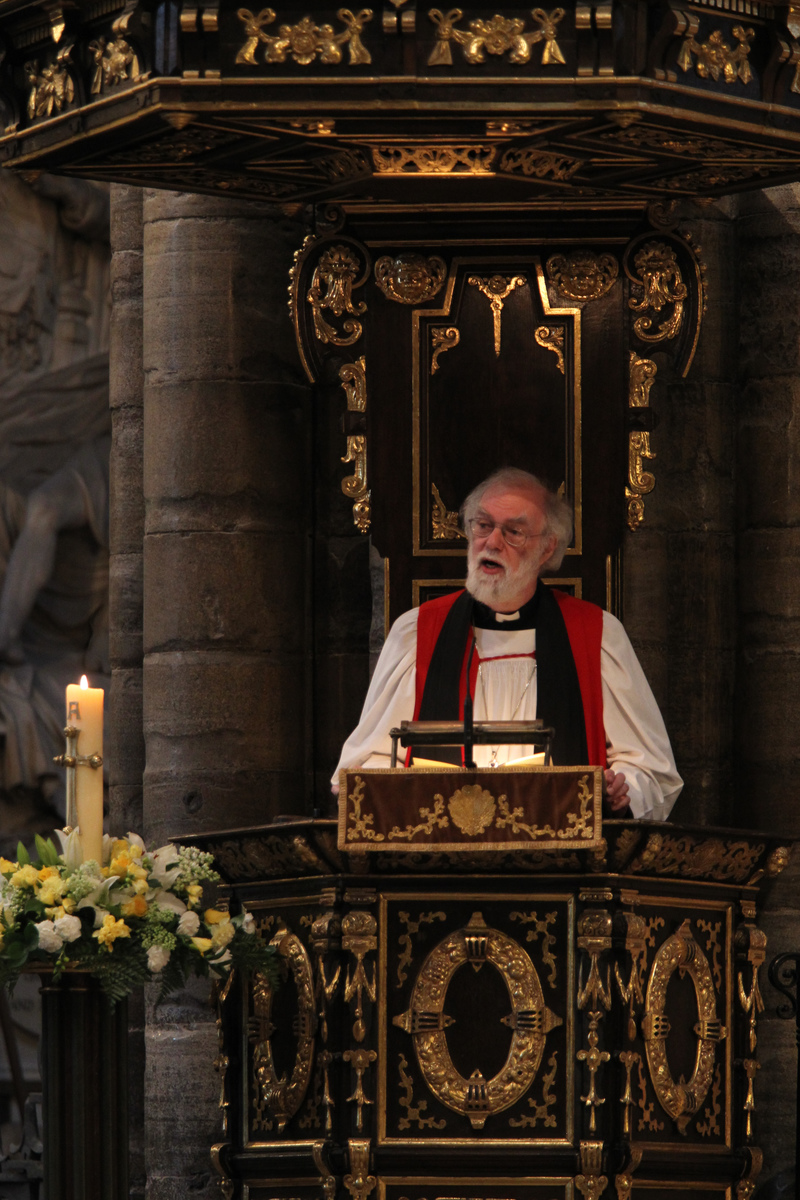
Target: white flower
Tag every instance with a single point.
(165, 865)
(68, 928)
(248, 923)
(135, 840)
(222, 934)
(49, 941)
(71, 850)
(170, 901)
(189, 924)
(157, 958)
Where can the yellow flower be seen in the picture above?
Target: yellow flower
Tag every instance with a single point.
(119, 864)
(110, 930)
(47, 872)
(213, 916)
(25, 877)
(68, 906)
(6, 865)
(51, 890)
(118, 846)
(201, 944)
(222, 934)
(135, 851)
(136, 907)
(137, 872)
(194, 892)
(140, 886)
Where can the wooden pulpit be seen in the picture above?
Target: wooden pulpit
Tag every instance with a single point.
(490, 994)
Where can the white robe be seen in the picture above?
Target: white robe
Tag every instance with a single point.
(636, 739)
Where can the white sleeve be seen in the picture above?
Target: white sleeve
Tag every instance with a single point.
(636, 738)
(389, 701)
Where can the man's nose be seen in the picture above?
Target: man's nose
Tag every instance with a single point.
(495, 540)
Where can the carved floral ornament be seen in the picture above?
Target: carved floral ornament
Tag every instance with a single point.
(715, 57)
(306, 41)
(582, 274)
(498, 36)
(52, 87)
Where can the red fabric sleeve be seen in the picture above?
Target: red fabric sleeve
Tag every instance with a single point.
(584, 624)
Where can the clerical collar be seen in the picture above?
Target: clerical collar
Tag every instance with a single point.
(486, 618)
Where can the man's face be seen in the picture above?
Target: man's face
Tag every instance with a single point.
(501, 576)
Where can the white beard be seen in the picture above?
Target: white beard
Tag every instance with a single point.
(496, 591)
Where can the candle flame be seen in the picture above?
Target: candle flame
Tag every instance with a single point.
(84, 682)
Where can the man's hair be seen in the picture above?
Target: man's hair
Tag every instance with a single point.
(557, 511)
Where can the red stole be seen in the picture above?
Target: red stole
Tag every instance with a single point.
(584, 625)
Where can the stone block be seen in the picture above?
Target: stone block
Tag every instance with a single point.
(125, 610)
(126, 516)
(126, 217)
(124, 737)
(188, 800)
(241, 590)
(768, 690)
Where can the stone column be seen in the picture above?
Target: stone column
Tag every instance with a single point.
(226, 600)
(679, 565)
(768, 675)
(125, 739)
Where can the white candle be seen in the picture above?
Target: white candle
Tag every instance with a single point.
(85, 713)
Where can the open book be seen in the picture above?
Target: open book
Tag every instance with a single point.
(527, 760)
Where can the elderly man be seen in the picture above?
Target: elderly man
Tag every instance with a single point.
(537, 653)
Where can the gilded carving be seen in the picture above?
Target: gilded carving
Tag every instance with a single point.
(113, 63)
(541, 1112)
(623, 1182)
(681, 953)
(594, 938)
(336, 271)
(712, 930)
(687, 856)
(406, 942)
(640, 482)
(435, 159)
(355, 486)
(443, 338)
(497, 289)
(358, 1181)
(641, 376)
(715, 57)
(710, 1126)
(582, 274)
(282, 1097)
(594, 1058)
(538, 164)
(222, 1061)
(548, 939)
(750, 1067)
(413, 1111)
(359, 931)
(354, 381)
(51, 88)
(636, 946)
(497, 36)
(754, 941)
(475, 1097)
(551, 337)
(410, 278)
(444, 523)
(648, 1120)
(659, 278)
(325, 936)
(305, 41)
(360, 1060)
(591, 1183)
(746, 1186)
(627, 1058)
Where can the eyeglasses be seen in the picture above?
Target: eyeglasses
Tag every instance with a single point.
(512, 534)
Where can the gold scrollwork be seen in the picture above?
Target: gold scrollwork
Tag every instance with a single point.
(623, 1182)
(541, 1112)
(355, 486)
(222, 1061)
(594, 938)
(640, 482)
(281, 1096)
(636, 946)
(443, 338)
(360, 1060)
(325, 934)
(361, 824)
(429, 819)
(406, 942)
(681, 953)
(306, 40)
(551, 337)
(113, 63)
(444, 523)
(658, 275)
(410, 278)
(358, 936)
(548, 939)
(497, 36)
(582, 274)
(715, 57)
(51, 88)
(436, 159)
(579, 824)
(746, 1186)
(354, 382)
(358, 1181)
(641, 376)
(337, 270)
(497, 289)
(413, 1111)
(530, 1020)
(710, 1127)
(754, 941)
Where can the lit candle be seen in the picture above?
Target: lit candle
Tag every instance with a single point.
(85, 713)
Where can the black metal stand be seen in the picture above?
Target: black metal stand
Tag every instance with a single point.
(84, 1090)
(784, 973)
(472, 733)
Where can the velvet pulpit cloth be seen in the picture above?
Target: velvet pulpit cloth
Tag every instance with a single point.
(505, 808)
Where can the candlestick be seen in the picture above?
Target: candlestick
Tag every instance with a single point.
(84, 773)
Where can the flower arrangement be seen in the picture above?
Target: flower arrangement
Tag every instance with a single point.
(135, 917)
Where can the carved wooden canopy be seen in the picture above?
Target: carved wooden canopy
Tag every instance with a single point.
(585, 105)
